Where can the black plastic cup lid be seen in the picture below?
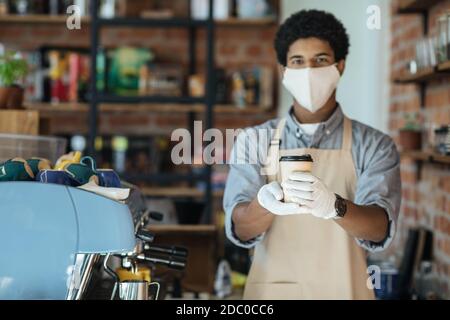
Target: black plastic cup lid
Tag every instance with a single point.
(305, 157)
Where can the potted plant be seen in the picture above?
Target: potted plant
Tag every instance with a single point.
(12, 69)
(411, 134)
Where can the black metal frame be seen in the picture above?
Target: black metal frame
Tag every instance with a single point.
(209, 100)
(145, 23)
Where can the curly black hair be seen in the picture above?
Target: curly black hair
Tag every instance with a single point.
(312, 23)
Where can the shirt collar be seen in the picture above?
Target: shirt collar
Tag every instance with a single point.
(329, 126)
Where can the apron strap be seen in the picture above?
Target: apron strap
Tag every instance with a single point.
(347, 134)
(273, 155)
(276, 139)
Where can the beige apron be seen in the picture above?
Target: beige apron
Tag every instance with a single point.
(304, 257)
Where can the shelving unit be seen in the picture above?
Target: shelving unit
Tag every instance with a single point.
(421, 7)
(165, 177)
(417, 6)
(424, 75)
(444, 66)
(236, 22)
(97, 98)
(178, 192)
(61, 19)
(37, 19)
(104, 103)
(48, 109)
(149, 22)
(421, 78)
(426, 157)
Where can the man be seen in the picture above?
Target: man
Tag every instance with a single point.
(306, 248)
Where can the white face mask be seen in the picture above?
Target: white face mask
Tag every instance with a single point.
(312, 87)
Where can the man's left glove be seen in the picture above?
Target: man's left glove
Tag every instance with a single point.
(312, 194)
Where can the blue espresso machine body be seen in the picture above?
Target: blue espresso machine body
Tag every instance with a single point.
(42, 229)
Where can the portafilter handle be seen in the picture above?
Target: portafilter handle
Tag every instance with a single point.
(173, 264)
(170, 250)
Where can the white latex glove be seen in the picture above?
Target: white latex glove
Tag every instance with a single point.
(270, 196)
(311, 194)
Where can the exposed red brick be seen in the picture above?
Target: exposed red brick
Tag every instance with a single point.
(408, 177)
(254, 50)
(128, 120)
(226, 49)
(447, 205)
(431, 205)
(445, 184)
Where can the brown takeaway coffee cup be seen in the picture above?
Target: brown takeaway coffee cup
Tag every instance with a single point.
(290, 164)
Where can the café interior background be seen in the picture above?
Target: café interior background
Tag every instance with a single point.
(396, 80)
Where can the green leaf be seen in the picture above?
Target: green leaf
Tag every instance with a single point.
(12, 69)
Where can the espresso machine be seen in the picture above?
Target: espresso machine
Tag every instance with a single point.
(53, 237)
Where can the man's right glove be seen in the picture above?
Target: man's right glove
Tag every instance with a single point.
(270, 196)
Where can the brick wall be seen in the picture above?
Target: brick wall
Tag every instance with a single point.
(235, 47)
(426, 194)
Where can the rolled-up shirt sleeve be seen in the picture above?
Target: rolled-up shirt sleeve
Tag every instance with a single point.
(379, 183)
(243, 183)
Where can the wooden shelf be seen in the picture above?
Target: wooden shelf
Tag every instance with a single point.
(61, 19)
(237, 22)
(52, 109)
(431, 73)
(37, 19)
(416, 6)
(48, 109)
(421, 76)
(182, 228)
(176, 192)
(445, 67)
(426, 157)
(247, 110)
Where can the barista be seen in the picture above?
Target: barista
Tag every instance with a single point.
(314, 245)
